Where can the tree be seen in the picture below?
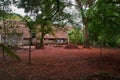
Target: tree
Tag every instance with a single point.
(3, 46)
(31, 25)
(4, 9)
(9, 27)
(44, 11)
(5, 49)
(84, 5)
(104, 23)
(14, 17)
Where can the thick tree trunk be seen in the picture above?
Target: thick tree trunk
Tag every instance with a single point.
(42, 37)
(85, 23)
(86, 34)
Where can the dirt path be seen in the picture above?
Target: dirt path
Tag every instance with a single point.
(60, 64)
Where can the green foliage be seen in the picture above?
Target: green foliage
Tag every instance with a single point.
(75, 36)
(9, 52)
(101, 19)
(4, 7)
(104, 22)
(14, 16)
(44, 11)
(118, 41)
(46, 8)
(2, 14)
(84, 6)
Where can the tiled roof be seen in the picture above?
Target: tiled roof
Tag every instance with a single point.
(18, 28)
(58, 34)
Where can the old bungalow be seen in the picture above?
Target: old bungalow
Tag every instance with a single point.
(18, 34)
(13, 32)
(60, 37)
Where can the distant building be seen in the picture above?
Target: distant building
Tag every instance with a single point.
(60, 37)
(18, 34)
(14, 32)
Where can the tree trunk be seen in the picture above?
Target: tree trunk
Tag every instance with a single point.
(42, 37)
(41, 41)
(85, 23)
(30, 41)
(5, 38)
(86, 34)
(3, 53)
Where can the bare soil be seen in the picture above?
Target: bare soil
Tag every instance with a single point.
(57, 63)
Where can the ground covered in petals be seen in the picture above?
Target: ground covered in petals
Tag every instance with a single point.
(58, 63)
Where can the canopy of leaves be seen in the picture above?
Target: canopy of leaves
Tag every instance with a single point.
(104, 24)
(4, 6)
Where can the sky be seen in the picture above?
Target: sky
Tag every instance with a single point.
(21, 11)
(18, 11)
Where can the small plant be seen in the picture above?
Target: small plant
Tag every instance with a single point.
(9, 52)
